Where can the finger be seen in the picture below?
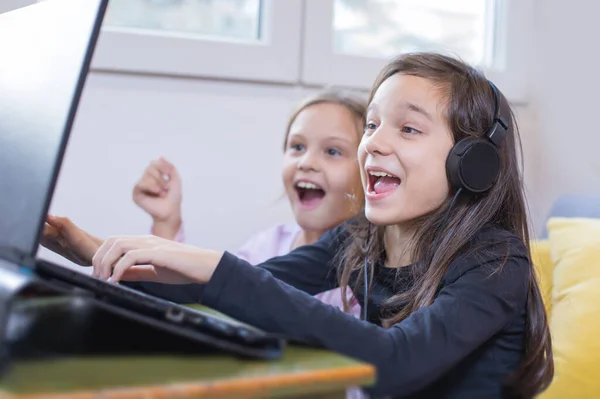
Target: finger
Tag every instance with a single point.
(154, 274)
(163, 169)
(99, 255)
(155, 170)
(132, 258)
(165, 166)
(57, 221)
(173, 174)
(49, 231)
(167, 163)
(49, 238)
(139, 273)
(150, 185)
(52, 239)
(68, 234)
(160, 174)
(120, 247)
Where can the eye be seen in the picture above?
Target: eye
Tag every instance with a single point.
(410, 130)
(297, 147)
(333, 152)
(370, 126)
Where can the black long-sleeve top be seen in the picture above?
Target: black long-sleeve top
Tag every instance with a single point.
(463, 345)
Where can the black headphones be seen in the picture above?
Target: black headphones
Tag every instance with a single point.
(473, 164)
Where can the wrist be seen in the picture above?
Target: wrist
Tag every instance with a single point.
(167, 228)
(208, 262)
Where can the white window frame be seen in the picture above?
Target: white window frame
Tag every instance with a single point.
(321, 65)
(9, 5)
(296, 47)
(275, 58)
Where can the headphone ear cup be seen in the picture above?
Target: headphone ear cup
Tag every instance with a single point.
(473, 165)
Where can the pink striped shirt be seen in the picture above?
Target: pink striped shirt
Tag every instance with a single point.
(278, 241)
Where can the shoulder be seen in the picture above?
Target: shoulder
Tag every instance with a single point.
(491, 250)
(268, 243)
(336, 237)
(276, 233)
(496, 241)
(279, 231)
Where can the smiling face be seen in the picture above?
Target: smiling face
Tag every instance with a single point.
(403, 151)
(320, 170)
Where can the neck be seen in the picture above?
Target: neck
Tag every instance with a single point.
(397, 246)
(306, 237)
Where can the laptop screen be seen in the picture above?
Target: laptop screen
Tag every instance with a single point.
(45, 51)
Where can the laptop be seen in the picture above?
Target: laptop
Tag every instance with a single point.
(45, 53)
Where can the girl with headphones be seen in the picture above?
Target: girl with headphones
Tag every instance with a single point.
(439, 260)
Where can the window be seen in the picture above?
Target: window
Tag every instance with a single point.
(312, 42)
(346, 42)
(223, 19)
(231, 39)
(383, 28)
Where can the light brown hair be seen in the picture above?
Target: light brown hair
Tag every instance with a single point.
(352, 102)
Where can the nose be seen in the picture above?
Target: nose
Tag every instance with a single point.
(308, 162)
(379, 142)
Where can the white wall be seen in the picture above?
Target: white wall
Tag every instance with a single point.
(567, 88)
(529, 132)
(224, 137)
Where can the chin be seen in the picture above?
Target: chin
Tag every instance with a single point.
(310, 222)
(380, 217)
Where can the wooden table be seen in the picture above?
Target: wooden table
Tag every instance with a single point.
(301, 373)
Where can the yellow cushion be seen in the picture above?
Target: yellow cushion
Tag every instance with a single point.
(575, 321)
(540, 256)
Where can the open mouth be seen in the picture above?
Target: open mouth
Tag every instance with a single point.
(382, 182)
(309, 194)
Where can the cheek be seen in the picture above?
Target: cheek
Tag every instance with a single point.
(440, 189)
(288, 170)
(345, 179)
(362, 157)
(362, 151)
(431, 183)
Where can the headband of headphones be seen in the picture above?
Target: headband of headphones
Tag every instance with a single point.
(496, 135)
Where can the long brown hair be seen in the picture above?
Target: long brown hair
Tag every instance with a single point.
(469, 106)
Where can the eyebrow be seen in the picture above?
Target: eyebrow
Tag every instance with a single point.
(409, 107)
(328, 138)
(336, 138)
(420, 110)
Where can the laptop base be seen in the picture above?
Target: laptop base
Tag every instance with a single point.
(45, 319)
(13, 282)
(66, 326)
(226, 335)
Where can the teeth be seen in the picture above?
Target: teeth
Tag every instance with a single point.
(307, 185)
(379, 174)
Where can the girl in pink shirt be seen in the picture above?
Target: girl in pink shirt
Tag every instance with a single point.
(320, 175)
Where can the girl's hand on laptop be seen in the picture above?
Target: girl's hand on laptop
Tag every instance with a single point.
(151, 258)
(63, 237)
(158, 192)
